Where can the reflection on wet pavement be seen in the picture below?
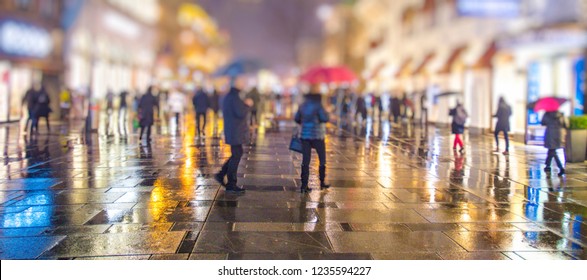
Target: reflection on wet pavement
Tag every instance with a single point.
(400, 193)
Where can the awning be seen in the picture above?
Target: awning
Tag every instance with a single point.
(454, 56)
(423, 64)
(485, 60)
(404, 67)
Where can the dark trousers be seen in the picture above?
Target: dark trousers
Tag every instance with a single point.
(198, 116)
(320, 147)
(505, 135)
(230, 167)
(424, 118)
(552, 154)
(148, 132)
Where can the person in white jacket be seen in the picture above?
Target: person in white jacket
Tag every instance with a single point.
(176, 105)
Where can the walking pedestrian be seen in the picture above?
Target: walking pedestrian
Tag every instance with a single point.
(146, 108)
(361, 108)
(424, 108)
(30, 98)
(254, 95)
(64, 103)
(395, 108)
(554, 122)
(459, 118)
(312, 117)
(504, 111)
(201, 103)
(42, 109)
(236, 133)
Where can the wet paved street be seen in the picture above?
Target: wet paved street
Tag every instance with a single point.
(405, 197)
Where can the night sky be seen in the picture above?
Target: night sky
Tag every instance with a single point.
(262, 29)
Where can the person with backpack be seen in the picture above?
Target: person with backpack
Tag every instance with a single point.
(459, 118)
(42, 109)
(504, 111)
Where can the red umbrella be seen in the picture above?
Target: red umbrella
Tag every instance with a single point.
(338, 74)
(548, 104)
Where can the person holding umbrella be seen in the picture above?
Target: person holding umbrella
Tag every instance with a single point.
(459, 118)
(554, 122)
(504, 111)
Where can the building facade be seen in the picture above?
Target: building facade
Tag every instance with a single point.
(31, 41)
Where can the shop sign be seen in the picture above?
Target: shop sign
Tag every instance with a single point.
(488, 8)
(23, 39)
(534, 129)
(555, 37)
(579, 108)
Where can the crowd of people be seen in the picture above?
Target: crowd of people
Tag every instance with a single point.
(242, 107)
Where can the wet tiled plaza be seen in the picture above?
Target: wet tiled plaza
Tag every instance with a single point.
(400, 193)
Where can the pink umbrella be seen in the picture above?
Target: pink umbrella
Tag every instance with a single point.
(338, 74)
(548, 104)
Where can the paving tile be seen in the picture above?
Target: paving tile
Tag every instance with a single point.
(26, 247)
(382, 242)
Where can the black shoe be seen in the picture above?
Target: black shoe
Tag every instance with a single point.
(220, 179)
(324, 186)
(235, 190)
(547, 169)
(561, 172)
(305, 190)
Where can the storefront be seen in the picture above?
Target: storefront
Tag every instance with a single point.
(108, 50)
(548, 62)
(28, 53)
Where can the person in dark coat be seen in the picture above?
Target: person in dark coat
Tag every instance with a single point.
(361, 107)
(312, 117)
(395, 108)
(42, 109)
(459, 118)
(424, 108)
(147, 105)
(236, 133)
(256, 97)
(554, 122)
(30, 98)
(504, 111)
(122, 112)
(201, 103)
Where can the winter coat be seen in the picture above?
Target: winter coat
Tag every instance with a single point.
(395, 106)
(456, 127)
(176, 102)
(201, 102)
(312, 116)
(42, 108)
(235, 111)
(552, 136)
(256, 97)
(147, 106)
(361, 105)
(503, 114)
(215, 101)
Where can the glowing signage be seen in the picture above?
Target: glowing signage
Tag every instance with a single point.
(22, 39)
(579, 108)
(488, 8)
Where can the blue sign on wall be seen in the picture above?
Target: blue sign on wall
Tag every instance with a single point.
(533, 91)
(488, 8)
(579, 107)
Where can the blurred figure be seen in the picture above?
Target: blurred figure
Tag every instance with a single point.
(146, 110)
(459, 118)
(395, 108)
(424, 108)
(176, 105)
(236, 133)
(256, 97)
(215, 104)
(201, 103)
(109, 112)
(504, 111)
(64, 103)
(360, 109)
(554, 122)
(42, 109)
(122, 112)
(30, 98)
(312, 117)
